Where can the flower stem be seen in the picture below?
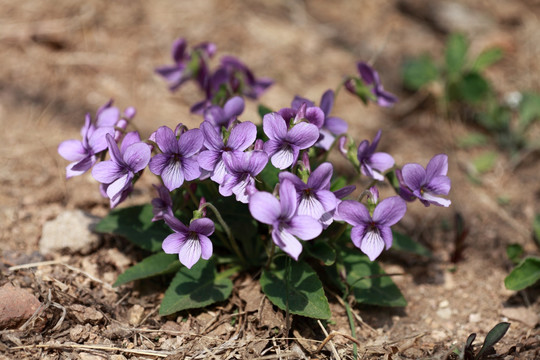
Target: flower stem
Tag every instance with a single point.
(351, 323)
(227, 229)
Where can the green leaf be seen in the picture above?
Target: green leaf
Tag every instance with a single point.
(263, 110)
(485, 162)
(269, 176)
(455, 54)
(305, 293)
(338, 183)
(529, 109)
(135, 224)
(487, 58)
(493, 337)
(403, 242)
(472, 88)
(472, 140)
(320, 250)
(419, 72)
(194, 288)
(514, 252)
(369, 282)
(536, 229)
(527, 273)
(363, 91)
(157, 264)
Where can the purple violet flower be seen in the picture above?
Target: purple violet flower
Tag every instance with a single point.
(314, 198)
(239, 78)
(313, 114)
(190, 243)
(285, 145)
(373, 164)
(281, 215)
(83, 153)
(240, 138)
(176, 163)
(118, 172)
(371, 77)
(426, 183)
(332, 126)
(223, 117)
(371, 234)
(242, 168)
(162, 204)
(188, 65)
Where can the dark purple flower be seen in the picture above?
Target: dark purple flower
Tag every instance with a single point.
(240, 138)
(162, 204)
(427, 183)
(314, 198)
(372, 234)
(287, 226)
(176, 163)
(190, 243)
(332, 126)
(118, 172)
(83, 153)
(223, 117)
(188, 65)
(403, 191)
(285, 145)
(373, 164)
(242, 168)
(312, 114)
(371, 78)
(239, 79)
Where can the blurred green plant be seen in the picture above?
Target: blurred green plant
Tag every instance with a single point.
(460, 87)
(527, 270)
(492, 337)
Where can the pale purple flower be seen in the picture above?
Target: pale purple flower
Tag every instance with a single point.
(187, 65)
(118, 172)
(82, 154)
(371, 78)
(371, 234)
(224, 116)
(372, 163)
(240, 138)
(287, 226)
(242, 168)
(427, 183)
(285, 145)
(162, 204)
(190, 243)
(176, 163)
(314, 198)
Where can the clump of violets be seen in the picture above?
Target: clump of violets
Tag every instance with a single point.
(249, 184)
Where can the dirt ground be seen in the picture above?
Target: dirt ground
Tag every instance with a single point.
(62, 59)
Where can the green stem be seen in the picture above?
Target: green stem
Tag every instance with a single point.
(270, 255)
(227, 229)
(191, 195)
(287, 274)
(351, 324)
